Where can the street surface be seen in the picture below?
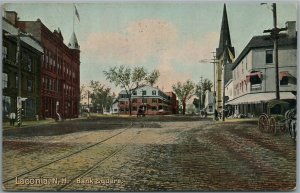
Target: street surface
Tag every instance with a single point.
(147, 154)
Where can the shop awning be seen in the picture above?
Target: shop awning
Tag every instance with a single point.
(284, 74)
(259, 74)
(259, 97)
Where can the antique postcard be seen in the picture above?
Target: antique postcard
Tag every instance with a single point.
(149, 96)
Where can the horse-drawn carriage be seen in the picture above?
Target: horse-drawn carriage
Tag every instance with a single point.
(274, 122)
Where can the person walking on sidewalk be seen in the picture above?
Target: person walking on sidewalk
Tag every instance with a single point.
(12, 117)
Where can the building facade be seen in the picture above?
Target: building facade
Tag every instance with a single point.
(30, 61)
(254, 72)
(152, 100)
(60, 70)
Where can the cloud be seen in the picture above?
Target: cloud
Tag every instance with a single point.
(140, 42)
(133, 45)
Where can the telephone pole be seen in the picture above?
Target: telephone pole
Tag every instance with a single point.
(275, 36)
(214, 62)
(19, 65)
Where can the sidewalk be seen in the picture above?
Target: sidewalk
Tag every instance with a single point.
(5, 125)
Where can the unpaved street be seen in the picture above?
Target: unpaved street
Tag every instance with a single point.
(116, 154)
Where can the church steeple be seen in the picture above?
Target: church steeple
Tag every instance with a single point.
(225, 40)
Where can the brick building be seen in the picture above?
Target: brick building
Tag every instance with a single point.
(60, 70)
(152, 100)
(30, 57)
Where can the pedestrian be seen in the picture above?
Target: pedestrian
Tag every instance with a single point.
(12, 117)
(216, 115)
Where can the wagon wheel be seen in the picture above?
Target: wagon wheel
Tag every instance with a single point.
(272, 125)
(263, 123)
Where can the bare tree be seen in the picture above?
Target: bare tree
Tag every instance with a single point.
(184, 92)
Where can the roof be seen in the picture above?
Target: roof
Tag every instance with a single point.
(73, 44)
(265, 41)
(8, 27)
(260, 97)
(225, 40)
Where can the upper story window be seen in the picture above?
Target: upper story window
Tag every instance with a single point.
(4, 52)
(29, 85)
(134, 92)
(284, 80)
(4, 80)
(154, 92)
(144, 92)
(269, 56)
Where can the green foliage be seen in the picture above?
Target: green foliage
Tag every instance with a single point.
(101, 96)
(184, 92)
(128, 79)
(201, 88)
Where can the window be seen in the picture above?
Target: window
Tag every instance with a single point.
(134, 108)
(6, 105)
(134, 100)
(154, 100)
(30, 108)
(134, 92)
(144, 92)
(4, 52)
(29, 85)
(255, 80)
(29, 64)
(4, 80)
(154, 92)
(269, 56)
(284, 80)
(17, 81)
(144, 100)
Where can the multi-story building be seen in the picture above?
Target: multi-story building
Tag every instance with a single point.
(30, 61)
(254, 72)
(60, 69)
(152, 100)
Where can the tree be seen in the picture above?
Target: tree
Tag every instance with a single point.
(153, 77)
(129, 79)
(101, 96)
(196, 103)
(201, 88)
(184, 92)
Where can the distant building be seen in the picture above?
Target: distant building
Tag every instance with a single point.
(254, 72)
(60, 69)
(209, 100)
(30, 60)
(152, 100)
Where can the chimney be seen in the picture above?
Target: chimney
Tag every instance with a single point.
(12, 17)
(291, 28)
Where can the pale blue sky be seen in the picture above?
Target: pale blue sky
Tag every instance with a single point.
(189, 32)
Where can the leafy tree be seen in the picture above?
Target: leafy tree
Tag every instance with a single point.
(101, 96)
(129, 79)
(201, 88)
(152, 77)
(184, 92)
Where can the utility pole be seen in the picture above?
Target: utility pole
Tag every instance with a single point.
(214, 62)
(19, 65)
(223, 75)
(275, 36)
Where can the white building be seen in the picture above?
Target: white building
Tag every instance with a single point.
(209, 102)
(254, 72)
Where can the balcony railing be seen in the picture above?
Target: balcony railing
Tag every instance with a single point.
(256, 87)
